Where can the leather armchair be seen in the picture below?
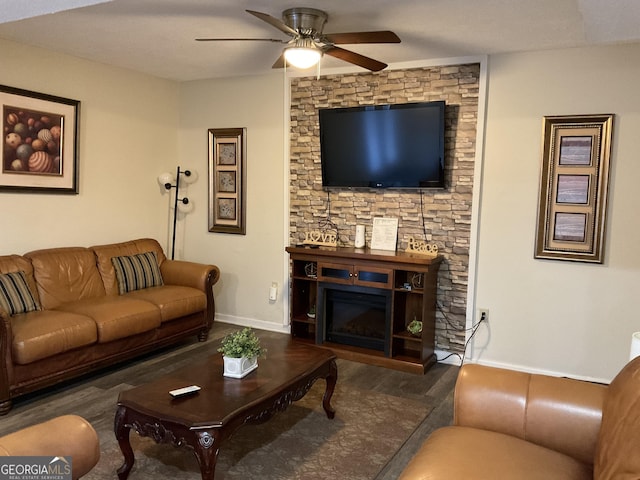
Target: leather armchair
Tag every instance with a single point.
(64, 436)
(515, 425)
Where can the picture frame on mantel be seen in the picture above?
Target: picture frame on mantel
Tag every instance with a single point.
(574, 183)
(40, 142)
(227, 180)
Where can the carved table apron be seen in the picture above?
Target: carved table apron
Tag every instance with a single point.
(203, 421)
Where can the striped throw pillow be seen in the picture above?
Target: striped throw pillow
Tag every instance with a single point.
(136, 272)
(15, 295)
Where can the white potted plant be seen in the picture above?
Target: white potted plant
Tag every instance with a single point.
(240, 351)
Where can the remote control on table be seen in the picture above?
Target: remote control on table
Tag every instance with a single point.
(184, 391)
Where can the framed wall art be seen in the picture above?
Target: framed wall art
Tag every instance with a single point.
(573, 187)
(40, 148)
(227, 180)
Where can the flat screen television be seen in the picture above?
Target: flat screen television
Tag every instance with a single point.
(383, 146)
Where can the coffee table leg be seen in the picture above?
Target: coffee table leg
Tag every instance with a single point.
(331, 379)
(122, 435)
(206, 449)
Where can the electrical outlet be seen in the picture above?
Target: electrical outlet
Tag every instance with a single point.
(483, 315)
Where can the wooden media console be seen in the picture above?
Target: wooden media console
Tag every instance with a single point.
(359, 303)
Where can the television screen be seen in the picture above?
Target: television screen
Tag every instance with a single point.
(383, 146)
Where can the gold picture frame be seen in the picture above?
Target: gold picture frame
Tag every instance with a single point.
(227, 180)
(574, 181)
(40, 139)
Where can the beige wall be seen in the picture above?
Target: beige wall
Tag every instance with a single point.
(128, 135)
(562, 317)
(248, 263)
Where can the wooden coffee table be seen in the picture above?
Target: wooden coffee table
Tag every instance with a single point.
(204, 420)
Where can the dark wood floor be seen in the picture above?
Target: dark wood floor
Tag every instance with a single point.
(93, 396)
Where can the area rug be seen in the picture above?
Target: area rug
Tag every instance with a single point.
(300, 443)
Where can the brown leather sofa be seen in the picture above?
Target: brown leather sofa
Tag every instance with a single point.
(83, 322)
(514, 425)
(64, 436)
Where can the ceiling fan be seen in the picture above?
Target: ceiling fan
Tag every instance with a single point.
(308, 43)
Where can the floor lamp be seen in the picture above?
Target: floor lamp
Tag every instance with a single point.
(182, 204)
(635, 346)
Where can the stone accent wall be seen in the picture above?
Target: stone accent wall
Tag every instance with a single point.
(439, 216)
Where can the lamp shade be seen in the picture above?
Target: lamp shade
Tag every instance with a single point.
(635, 346)
(185, 207)
(165, 178)
(191, 177)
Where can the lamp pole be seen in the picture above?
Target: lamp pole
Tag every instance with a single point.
(185, 201)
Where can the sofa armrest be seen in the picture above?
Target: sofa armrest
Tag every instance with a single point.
(557, 413)
(64, 436)
(190, 274)
(196, 275)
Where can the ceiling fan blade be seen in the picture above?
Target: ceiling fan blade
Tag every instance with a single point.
(274, 22)
(279, 63)
(355, 58)
(381, 36)
(240, 40)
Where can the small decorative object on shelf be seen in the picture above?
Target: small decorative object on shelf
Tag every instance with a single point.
(312, 312)
(415, 327)
(324, 238)
(416, 280)
(240, 352)
(311, 270)
(428, 250)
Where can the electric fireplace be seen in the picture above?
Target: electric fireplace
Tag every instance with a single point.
(354, 315)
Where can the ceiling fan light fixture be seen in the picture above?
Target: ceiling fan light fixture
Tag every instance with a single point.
(302, 54)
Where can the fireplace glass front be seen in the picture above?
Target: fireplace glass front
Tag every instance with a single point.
(354, 315)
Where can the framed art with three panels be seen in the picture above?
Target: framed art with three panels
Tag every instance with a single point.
(574, 181)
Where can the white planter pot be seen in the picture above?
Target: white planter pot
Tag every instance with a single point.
(239, 367)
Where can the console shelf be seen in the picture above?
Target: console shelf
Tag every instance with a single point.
(403, 285)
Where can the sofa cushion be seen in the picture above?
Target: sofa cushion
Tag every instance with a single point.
(174, 301)
(65, 275)
(15, 294)
(117, 317)
(104, 254)
(17, 263)
(617, 451)
(42, 334)
(135, 272)
(474, 454)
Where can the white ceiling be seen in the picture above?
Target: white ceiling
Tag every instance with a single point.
(157, 36)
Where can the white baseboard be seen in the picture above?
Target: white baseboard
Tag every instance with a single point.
(443, 357)
(252, 322)
(538, 371)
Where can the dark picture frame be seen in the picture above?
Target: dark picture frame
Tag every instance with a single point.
(40, 142)
(227, 180)
(574, 182)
